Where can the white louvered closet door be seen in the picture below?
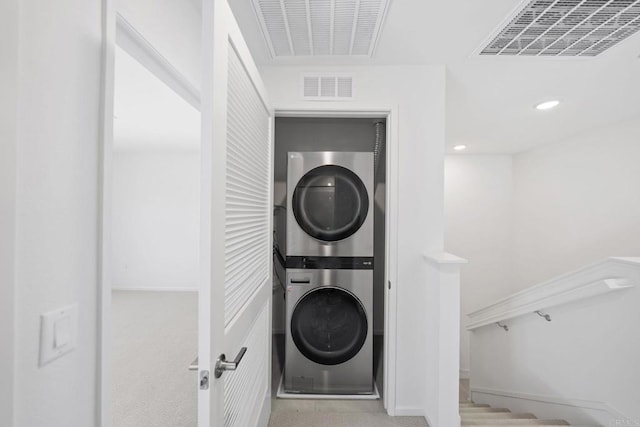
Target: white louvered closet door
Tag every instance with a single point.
(237, 228)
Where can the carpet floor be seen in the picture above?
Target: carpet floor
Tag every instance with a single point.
(154, 340)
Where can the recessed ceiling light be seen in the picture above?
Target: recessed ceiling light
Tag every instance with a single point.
(547, 105)
(460, 147)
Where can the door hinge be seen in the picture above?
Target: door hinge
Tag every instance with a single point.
(204, 380)
(389, 282)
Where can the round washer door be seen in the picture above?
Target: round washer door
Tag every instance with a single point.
(330, 203)
(329, 325)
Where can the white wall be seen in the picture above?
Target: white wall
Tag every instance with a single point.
(417, 93)
(581, 366)
(156, 218)
(566, 205)
(56, 219)
(8, 143)
(172, 27)
(576, 201)
(525, 218)
(478, 198)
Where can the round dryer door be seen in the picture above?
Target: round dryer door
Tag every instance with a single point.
(330, 203)
(329, 325)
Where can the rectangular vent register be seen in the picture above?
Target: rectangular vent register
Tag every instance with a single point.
(327, 87)
(320, 27)
(565, 28)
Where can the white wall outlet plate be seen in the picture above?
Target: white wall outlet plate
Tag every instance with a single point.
(58, 333)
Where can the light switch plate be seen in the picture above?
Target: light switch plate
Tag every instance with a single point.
(58, 333)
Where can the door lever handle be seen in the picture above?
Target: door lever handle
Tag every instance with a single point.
(222, 364)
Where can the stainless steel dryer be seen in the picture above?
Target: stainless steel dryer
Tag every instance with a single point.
(329, 204)
(329, 343)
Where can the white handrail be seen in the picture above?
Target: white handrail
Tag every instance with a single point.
(609, 275)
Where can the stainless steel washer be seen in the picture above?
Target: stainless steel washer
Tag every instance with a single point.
(329, 204)
(329, 342)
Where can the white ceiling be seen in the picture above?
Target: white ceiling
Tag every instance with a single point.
(147, 113)
(490, 100)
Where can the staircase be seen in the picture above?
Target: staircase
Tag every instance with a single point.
(473, 414)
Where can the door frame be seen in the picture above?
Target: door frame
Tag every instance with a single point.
(8, 166)
(117, 31)
(390, 113)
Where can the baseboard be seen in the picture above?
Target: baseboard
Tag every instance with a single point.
(464, 374)
(409, 412)
(429, 423)
(265, 411)
(555, 400)
(156, 289)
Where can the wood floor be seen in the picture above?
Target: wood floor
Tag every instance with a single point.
(476, 415)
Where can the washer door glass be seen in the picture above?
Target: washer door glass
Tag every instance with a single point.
(330, 203)
(329, 325)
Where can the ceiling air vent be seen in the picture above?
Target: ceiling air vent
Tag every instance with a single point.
(324, 87)
(320, 27)
(565, 28)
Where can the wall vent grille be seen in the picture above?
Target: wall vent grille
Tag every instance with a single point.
(320, 27)
(565, 28)
(323, 87)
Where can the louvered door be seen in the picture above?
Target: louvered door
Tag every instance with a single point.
(236, 224)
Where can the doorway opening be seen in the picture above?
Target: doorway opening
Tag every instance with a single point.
(153, 228)
(341, 135)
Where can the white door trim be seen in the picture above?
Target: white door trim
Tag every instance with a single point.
(390, 113)
(117, 31)
(105, 173)
(8, 165)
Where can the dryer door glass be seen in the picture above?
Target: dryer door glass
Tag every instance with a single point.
(330, 203)
(329, 325)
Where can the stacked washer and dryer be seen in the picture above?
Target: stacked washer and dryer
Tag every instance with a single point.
(329, 273)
